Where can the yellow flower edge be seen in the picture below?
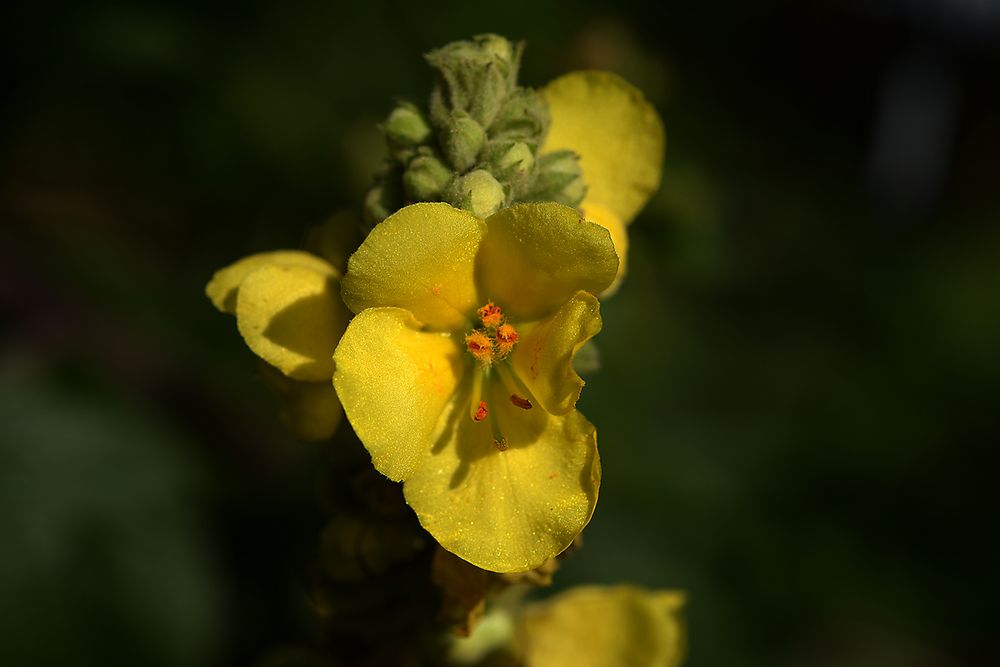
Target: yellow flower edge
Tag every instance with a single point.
(604, 627)
(288, 310)
(617, 134)
(606, 218)
(505, 487)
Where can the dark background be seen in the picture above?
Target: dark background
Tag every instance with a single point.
(798, 410)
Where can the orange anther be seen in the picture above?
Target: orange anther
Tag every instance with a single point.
(507, 338)
(480, 346)
(520, 402)
(481, 412)
(491, 315)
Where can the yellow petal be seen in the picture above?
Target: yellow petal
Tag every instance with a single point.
(536, 256)
(395, 383)
(225, 283)
(616, 132)
(310, 410)
(420, 258)
(600, 626)
(606, 218)
(511, 510)
(291, 316)
(543, 358)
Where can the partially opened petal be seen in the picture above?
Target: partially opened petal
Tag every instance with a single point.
(395, 383)
(310, 410)
(420, 258)
(536, 256)
(223, 287)
(511, 510)
(607, 218)
(598, 626)
(543, 358)
(615, 131)
(291, 316)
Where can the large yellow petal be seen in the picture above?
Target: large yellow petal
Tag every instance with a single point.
(543, 358)
(310, 410)
(536, 256)
(617, 133)
(396, 384)
(511, 510)
(420, 258)
(223, 287)
(291, 316)
(600, 626)
(606, 218)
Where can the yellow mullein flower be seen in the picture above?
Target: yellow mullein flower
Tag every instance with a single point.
(615, 626)
(620, 140)
(290, 314)
(456, 373)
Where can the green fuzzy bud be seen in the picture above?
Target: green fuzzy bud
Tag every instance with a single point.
(425, 178)
(477, 192)
(524, 116)
(406, 127)
(514, 163)
(383, 199)
(462, 140)
(473, 76)
(496, 47)
(558, 178)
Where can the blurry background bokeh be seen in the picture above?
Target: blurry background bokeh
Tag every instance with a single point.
(799, 406)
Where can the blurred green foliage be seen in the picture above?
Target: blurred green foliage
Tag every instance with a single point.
(797, 404)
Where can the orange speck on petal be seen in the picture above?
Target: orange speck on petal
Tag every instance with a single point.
(436, 290)
(553, 474)
(481, 412)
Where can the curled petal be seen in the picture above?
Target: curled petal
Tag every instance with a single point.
(420, 258)
(223, 287)
(617, 134)
(536, 256)
(544, 357)
(396, 383)
(291, 317)
(508, 510)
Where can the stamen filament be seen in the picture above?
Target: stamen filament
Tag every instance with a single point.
(499, 441)
(477, 406)
(519, 394)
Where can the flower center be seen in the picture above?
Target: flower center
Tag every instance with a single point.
(490, 345)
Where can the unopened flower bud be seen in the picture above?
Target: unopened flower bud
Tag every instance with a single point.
(383, 199)
(559, 178)
(524, 116)
(425, 178)
(515, 162)
(474, 76)
(406, 126)
(478, 192)
(497, 47)
(462, 140)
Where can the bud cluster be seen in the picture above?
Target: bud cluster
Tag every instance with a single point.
(477, 145)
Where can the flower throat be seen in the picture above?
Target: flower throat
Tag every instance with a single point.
(490, 345)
